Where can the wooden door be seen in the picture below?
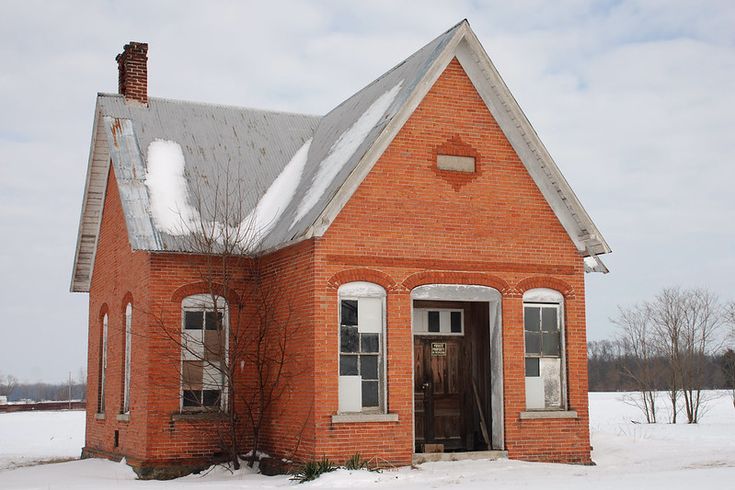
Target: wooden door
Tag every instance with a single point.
(439, 392)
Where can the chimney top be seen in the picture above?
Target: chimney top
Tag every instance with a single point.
(132, 65)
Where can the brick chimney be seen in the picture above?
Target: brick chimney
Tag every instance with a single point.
(132, 65)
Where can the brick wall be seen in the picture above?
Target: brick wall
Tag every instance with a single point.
(409, 224)
(120, 276)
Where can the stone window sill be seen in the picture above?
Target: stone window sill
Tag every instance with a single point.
(348, 418)
(99, 416)
(549, 414)
(192, 416)
(123, 417)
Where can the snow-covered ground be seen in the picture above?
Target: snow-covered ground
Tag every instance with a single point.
(629, 456)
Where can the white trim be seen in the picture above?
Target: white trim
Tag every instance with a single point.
(471, 293)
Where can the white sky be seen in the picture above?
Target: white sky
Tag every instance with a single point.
(634, 99)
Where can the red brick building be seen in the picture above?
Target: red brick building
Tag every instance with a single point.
(428, 255)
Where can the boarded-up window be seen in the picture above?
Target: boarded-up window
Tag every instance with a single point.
(203, 352)
(361, 357)
(543, 351)
(438, 321)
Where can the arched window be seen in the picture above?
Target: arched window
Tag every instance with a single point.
(128, 349)
(204, 344)
(102, 367)
(361, 348)
(543, 320)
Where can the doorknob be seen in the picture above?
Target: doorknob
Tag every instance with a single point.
(426, 385)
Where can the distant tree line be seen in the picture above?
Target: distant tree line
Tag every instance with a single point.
(672, 347)
(75, 389)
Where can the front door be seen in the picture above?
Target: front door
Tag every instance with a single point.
(438, 392)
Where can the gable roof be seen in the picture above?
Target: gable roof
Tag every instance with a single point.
(343, 146)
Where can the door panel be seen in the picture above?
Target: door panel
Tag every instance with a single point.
(438, 392)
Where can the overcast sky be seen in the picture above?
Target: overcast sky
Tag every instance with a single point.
(634, 99)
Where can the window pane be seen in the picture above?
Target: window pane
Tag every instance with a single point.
(370, 394)
(348, 365)
(192, 375)
(369, 367)
(549, 320)
(551, 345)
(212, 322)
(433, 321)
(193, 320)
(191, 398)
(532, 367)
(456, 322)
(348, 339)
(532, 318)
(210, 398)
(533, 343)
(370, 342)
(349, 312)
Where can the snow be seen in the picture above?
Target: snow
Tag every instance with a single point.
(629, 455)
(168, 189)
(280, 193)
(343, 149)
(30, 437)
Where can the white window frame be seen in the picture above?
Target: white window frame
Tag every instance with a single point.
(421, 319)
(356, 291)
(203, 302)
(103, 367)
(548, 298)
(128, 353)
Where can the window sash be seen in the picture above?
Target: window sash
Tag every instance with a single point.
(362, 356)
(544, 354)
(195, 347)
(128, 354)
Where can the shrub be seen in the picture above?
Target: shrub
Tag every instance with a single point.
(356, 463)
(313, 470)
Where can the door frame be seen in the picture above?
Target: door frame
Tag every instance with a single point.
(469, 293)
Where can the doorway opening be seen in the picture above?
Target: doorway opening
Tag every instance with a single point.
(457, 369)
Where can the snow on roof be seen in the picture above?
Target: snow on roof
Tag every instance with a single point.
(168, 190)
(343, 149)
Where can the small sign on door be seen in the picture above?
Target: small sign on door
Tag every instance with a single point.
(438, 349)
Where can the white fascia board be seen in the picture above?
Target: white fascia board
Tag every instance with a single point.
(529, 147)
(75, 286)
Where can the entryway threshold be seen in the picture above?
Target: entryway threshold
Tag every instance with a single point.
(419, 458)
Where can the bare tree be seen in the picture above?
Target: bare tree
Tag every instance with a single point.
(640, 364)
(699, 338)
(667, 315)
(242, 349)
(8, 383)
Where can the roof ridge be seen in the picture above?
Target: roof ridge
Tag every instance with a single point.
(223, 106)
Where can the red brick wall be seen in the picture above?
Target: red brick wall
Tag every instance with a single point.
(493, 227)
(120, 276)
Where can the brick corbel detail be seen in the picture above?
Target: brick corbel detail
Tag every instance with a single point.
(204, 287)
(363, 274)
(444, 277)
(545, 282)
